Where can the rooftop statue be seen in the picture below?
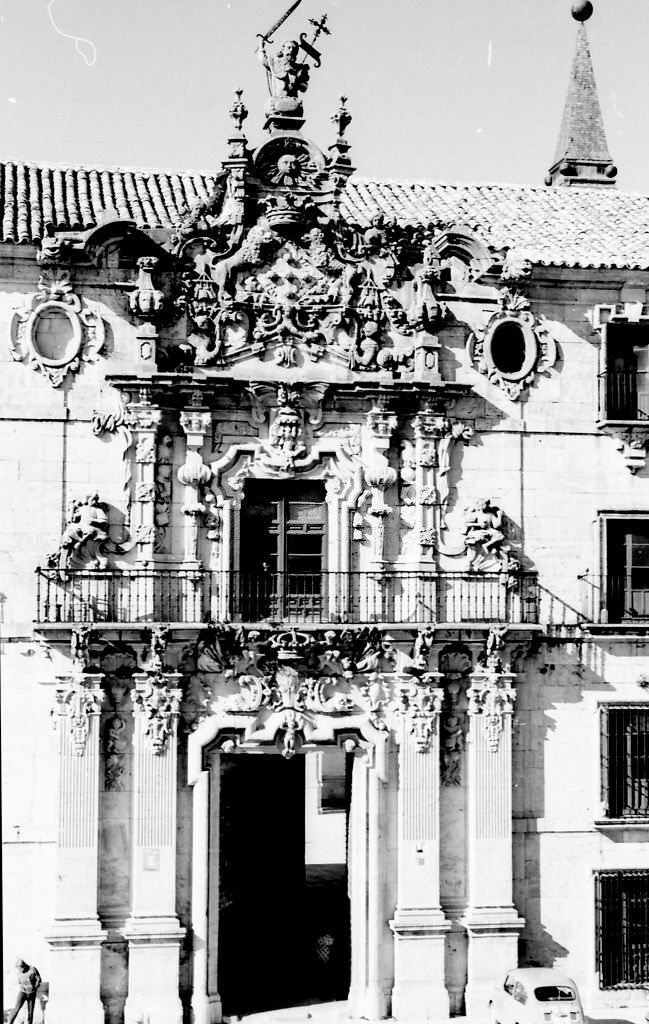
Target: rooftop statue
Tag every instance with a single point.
(287, 70)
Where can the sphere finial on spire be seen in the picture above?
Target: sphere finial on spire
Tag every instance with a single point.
(582, 10)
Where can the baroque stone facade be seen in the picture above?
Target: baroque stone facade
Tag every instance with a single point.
(321, 516)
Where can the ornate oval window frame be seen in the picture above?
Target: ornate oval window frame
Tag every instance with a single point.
(73, 347)
(540, 351)
(55, 294)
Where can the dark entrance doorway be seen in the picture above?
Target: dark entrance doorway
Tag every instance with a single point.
(283, 940)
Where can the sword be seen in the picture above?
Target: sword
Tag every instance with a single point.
(280, 21)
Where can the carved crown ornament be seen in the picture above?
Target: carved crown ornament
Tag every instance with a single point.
(295, 689)
(55, 330)
(513, 347)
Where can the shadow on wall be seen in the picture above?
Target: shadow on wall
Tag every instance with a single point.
(553, 674)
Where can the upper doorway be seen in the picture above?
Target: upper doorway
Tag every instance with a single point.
(282, 552)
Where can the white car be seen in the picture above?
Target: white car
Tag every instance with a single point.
(536, 995)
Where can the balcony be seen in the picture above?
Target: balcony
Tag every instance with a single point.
(187, 596)
(624, 396)
(618, 599)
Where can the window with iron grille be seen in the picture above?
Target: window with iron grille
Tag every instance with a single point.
(625, 760)
(622, 923)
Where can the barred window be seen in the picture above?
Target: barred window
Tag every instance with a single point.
(622, 921)
(625, 760)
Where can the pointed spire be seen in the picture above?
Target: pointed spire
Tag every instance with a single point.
(582, 156)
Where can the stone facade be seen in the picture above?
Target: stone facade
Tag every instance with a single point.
(425, 407)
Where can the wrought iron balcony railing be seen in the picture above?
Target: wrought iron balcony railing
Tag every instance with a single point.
(195, 596)
(624, 395)
(618, 598)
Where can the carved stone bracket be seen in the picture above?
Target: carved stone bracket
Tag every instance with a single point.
(55, 330)
(78, 698)
(156, 701)
(632, 440)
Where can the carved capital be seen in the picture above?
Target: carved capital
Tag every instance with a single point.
(78, 698)
(156, 701)
(492, 696)
(420, 705)
(197, 424)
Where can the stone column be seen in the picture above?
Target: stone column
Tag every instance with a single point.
(153, 932)
(76, 936)
(369, 993)
(492, 921)
(419, 924)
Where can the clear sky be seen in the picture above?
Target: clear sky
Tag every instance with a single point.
(442, 90)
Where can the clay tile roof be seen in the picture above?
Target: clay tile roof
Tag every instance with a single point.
(585, 227)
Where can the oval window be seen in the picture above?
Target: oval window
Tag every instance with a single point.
(54, 336)
(508, 348)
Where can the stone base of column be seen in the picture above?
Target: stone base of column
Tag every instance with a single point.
(493, 951)
(372, 1002)
(207, 1009)
(75, 971)
(153, 970)
(419, 951)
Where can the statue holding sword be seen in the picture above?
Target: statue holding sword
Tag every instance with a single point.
(287, 72)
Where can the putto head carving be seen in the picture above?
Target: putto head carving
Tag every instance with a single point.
(55, 330)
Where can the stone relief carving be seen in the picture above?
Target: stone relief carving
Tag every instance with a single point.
(157, 700)
(484, 536)
(145, 299)
(491, 693)
(161, 492)
(420, 705)
(286, 687)
(117, 742)
(85, 542)
(455, 665)
(55, 330)
(78, 698)
(513, 347)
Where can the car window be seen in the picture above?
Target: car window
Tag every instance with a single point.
(509, 985)
(520, 995)
(554, 993)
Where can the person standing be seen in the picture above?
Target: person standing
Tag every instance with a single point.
(28, 981)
